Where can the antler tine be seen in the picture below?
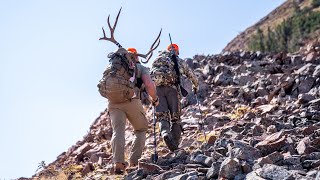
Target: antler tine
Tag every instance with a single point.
(152, 48)
(117, 18)
(112, 39)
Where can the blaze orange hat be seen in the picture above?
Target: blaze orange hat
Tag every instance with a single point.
(132, 50)
(174, 46)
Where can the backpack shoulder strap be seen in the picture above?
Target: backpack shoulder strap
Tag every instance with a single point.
(174, 58)
(138, 75)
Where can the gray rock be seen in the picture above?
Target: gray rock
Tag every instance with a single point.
(253, 176)
(202, 159)
(244, 151)
(168, 174)
(229, 168)
(306, 84)
(270, 171)
(222, 79)
(135, 175)
(316, 72)
(305, 98)
(186, 176)
(213, 171)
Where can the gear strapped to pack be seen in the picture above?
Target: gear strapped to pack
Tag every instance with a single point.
(115, 84)
(178, 81)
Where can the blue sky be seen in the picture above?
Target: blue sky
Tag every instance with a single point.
(51, 61)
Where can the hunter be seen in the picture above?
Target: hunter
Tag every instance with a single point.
(165, 72)
(119, 86)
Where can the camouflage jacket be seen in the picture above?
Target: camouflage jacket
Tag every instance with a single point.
(164, 74)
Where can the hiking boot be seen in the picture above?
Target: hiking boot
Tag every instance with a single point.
(119, 168)
(176, 131)
(166, 135)
(169, 142)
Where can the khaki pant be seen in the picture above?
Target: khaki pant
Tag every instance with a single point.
(133, 111)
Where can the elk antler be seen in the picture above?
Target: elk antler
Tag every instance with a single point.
(152, 48)
(111, 39)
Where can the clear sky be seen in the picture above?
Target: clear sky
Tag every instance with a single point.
(51, 61)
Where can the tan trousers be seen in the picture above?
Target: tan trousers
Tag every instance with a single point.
(134, 112)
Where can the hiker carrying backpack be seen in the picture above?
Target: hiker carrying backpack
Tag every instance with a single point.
(165, 72)
(118, 86)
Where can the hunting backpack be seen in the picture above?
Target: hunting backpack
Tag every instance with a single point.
(117, 83)
(165, 71)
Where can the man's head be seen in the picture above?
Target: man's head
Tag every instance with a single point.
(173, 47)
(133, 54)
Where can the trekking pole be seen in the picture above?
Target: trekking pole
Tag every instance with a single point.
(154, 156)
(201, 123)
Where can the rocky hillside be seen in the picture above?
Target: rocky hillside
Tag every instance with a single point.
(261, 115)
(286, 28)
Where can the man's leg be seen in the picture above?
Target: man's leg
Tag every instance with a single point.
(174, 107)
(118, 122)
(139, 122)
(163, 117)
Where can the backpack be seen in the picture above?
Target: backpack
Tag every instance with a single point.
(117, 83)
(163, 72)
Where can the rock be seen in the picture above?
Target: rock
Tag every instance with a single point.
(222, 79)
(260, 92)
(244, 151)
(272, 143)
(304, 148)
(304, 98)
(311, 156)
(135, 175)
(313, 174)
(291, 160)
(257, 130)
(296, 59)
(213, 171)
(316, 72)
(190, 175)
(202, 159)
(149, 168)
(168, 174)
(87, 168)
(262, 161)
(306, 84)
(310, 164)
(310, 57)
(271, 129)
(253, 176)
(270, 171)
(211, 139)
(275, 157)
(79, 153)
(229, 168)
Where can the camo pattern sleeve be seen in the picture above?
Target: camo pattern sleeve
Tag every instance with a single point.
(188, 72)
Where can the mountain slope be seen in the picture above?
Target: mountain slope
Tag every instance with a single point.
(295, 22)
(261, 116)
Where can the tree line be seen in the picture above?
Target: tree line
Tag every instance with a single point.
(289, 35)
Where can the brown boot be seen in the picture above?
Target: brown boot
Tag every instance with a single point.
(166, 135)
(176, 131)
(119, 168)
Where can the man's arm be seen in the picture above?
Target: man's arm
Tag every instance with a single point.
(150, 87)
(189, 73)
(149, 84)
